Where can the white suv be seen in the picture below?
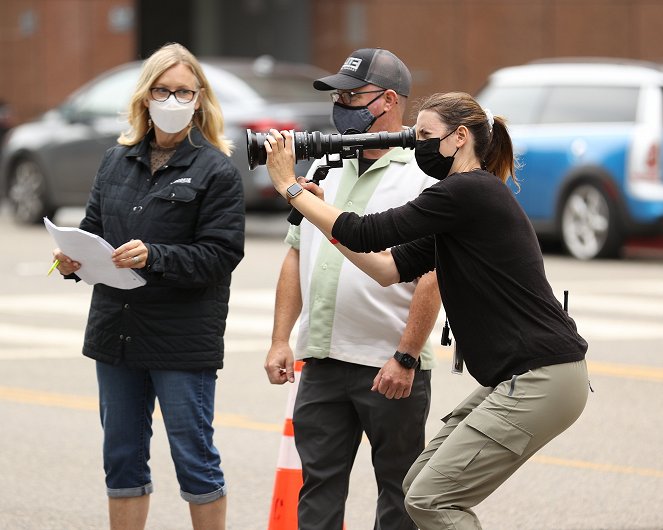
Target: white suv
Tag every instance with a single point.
(588, 135)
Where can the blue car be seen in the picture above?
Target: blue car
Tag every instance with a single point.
(587, 135)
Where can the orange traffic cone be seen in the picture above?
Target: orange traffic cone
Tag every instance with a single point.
(289, 480)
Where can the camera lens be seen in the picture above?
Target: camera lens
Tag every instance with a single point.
(255, 148)
(316, 144)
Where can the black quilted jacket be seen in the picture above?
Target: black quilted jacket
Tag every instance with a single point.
(190, 215)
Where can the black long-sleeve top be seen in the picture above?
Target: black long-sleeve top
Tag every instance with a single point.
(501, 308)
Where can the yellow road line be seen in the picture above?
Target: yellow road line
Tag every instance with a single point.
(620, 370)
(597, 466)
(237, 421)
(73, 402)
(625, 371)
(48, 399)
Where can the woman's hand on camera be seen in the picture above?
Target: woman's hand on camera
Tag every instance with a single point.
(280, 159)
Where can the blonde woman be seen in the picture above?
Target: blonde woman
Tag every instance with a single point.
(170, 202)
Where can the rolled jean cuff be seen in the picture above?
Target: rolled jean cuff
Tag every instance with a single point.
(121, 493)
(205, 497)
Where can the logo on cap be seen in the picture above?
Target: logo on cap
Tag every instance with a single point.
(352, 64)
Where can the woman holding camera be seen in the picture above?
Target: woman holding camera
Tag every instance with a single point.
(514, 335)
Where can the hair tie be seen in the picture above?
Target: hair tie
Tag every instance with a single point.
(490, 118)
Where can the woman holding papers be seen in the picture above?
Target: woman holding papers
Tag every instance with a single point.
(170, 202)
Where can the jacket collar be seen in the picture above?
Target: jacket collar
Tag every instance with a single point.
(184, 155)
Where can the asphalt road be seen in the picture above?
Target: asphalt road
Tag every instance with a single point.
(606, 472)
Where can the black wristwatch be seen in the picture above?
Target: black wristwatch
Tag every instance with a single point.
(406, 360)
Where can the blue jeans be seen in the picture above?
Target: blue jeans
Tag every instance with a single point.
(186, 399)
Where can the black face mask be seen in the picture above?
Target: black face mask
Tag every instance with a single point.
(354, 120)
(429, 159)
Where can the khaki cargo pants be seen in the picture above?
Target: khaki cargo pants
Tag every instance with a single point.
(486, 439)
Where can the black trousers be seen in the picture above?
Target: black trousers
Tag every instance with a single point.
(334, 406)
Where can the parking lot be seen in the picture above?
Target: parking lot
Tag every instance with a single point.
(605, 473)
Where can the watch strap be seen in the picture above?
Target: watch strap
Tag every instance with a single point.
(407, 361)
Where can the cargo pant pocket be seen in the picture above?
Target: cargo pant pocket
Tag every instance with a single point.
(484, 445)
(500, 430)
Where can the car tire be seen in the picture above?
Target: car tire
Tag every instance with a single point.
(590, 223)
(27, 193)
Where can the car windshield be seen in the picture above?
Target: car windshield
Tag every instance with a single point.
(233, 84)
(561, 104)
(590, 104)
(519, 105)
(106, 97)
(285, 88)
(261, 80)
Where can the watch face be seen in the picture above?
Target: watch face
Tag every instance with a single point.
(405, 359)
(294, 190)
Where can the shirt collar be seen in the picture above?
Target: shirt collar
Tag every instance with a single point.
(396, 154)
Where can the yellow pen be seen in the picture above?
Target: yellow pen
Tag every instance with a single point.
(55, 264)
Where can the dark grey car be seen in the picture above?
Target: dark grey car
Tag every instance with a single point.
(50, 162)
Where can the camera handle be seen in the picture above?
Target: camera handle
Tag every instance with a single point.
(295, 217)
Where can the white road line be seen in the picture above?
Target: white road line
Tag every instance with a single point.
(72, 349)
(645, 286)
(251, 314)
(20, 334)
(633, 306)
(78, 304)
(614, 329)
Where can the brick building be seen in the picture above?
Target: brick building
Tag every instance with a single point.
(50, 47)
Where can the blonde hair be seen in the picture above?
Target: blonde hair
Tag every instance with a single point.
(492, 143)
(208, 118)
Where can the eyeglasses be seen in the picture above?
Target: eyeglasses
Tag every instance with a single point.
(346, 97)
(182, 95)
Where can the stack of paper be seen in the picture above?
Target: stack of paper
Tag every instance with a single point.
(94, 255)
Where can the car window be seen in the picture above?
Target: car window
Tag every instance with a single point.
(228, 87)
(588, 104)
(282, 88)
(240, 84)
(107, 97)
(519, 105)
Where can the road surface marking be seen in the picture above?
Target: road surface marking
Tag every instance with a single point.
(619, 370)
(237, 421)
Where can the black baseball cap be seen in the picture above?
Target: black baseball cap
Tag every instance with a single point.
(369, 65)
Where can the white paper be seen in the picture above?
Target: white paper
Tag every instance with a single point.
(94, 255)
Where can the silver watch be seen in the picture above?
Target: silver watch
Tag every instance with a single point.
(293, 190)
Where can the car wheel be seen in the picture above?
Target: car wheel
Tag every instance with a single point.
(27, 193)
(589, 223)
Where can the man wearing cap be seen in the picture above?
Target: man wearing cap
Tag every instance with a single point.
(366, 347)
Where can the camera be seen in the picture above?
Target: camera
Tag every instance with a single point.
(316, 144)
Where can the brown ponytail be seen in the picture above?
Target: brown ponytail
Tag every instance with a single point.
(498, 158)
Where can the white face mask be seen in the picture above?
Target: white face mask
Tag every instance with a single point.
(171, 116)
